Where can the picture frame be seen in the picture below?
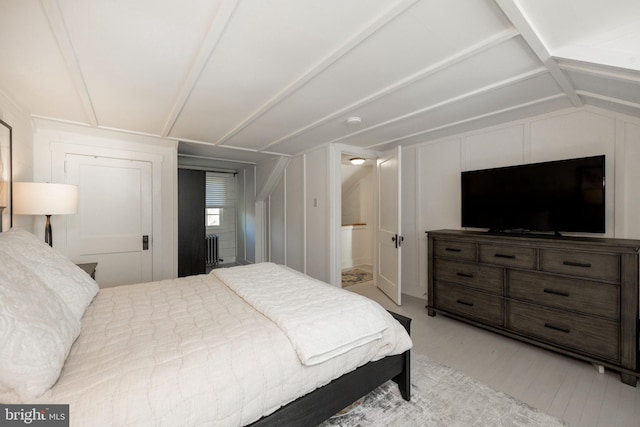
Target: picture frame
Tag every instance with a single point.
(6, 176)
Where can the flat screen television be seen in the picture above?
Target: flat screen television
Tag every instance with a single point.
(563, 195)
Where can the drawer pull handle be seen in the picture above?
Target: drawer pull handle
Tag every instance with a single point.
(452, 249)
(554, 292)
(557, 328)
(505, 256)
(467, 275)
(577, 264)
(463, 302)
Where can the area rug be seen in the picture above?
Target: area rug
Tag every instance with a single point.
(354, 276)
(440, 396)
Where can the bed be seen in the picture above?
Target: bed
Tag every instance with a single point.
(251, 345)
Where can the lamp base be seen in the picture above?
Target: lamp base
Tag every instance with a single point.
(48, 236)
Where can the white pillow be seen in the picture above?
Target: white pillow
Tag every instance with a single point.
(65, 279)
(36, 331)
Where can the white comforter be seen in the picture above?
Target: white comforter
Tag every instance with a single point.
(190, 351)
(326, 329)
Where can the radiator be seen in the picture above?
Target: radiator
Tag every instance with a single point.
(213, 252)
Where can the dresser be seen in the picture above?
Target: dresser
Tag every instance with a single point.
(577, 296)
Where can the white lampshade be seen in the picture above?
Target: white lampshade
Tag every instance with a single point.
(40, 198)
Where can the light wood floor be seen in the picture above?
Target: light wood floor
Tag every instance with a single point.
(558, 385)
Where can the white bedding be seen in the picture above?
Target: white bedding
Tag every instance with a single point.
(189, 351)
(325, 330)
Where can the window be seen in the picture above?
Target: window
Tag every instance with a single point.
(220, 201)
(213, 217)
(219, 191)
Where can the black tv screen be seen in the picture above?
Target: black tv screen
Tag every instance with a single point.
(564, 195)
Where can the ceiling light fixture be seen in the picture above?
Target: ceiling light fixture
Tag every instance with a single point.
(357, 161)
(354, 121)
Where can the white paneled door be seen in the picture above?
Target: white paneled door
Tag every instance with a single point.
(113, 226)
(388, 230)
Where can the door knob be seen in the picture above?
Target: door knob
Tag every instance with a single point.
(397, 240)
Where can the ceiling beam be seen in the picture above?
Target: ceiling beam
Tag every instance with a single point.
(59, 29)
(457, 57)
(610, 99)
(522, 24)
(217, 26)
(494, 113)
(351, 43)
(460, 98)
(599, 70)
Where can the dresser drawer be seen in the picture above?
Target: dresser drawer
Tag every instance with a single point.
(477, 276)
(591, 265)
(583, 296)
(456, 250)
(468, 303)
(582, 333)
(509, 256)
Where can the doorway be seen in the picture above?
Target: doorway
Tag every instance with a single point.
(386, 214)
(206, 208)
(220, 219)
(357, 220)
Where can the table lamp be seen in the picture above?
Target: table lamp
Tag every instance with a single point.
(40, 198)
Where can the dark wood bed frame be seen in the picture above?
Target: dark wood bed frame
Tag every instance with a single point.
(324, 402)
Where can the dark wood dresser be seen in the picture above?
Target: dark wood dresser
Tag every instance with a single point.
(577, 296)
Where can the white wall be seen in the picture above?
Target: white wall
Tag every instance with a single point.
(22, 147)
(53, 140)
(298, 213)
(277, 223)
(351, 208)
(630, 193)
(563, 134)
(246, 202)
(410, 224)
(356, 245)
(295, 208)
(318, 213)
(357, 194)
(270, 196)
(357, 208)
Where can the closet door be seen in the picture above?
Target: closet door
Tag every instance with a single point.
(191, 227)
(115, 213)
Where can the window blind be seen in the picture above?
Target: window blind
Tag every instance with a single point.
(220, 190)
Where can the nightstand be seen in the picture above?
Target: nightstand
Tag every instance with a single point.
(89, 268)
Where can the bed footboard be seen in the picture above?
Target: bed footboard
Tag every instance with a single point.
(326, 401)
(404, 378)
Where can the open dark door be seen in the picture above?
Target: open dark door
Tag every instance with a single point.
(191, 226)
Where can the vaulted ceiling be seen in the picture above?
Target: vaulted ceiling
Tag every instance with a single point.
(246, 79)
